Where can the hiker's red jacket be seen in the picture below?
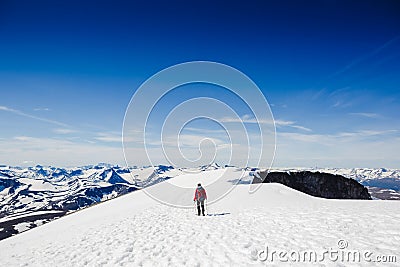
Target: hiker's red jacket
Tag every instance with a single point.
(200, 194)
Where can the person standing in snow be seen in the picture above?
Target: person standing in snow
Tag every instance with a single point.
(200, 196)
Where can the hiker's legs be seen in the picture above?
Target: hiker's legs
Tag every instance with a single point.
(198, 208)
(202, 207)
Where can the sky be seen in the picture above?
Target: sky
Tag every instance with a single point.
(330, 71)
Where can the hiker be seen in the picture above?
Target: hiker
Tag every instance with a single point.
(199, 196)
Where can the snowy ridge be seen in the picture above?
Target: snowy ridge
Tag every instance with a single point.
(135, 230)
(32, 196)
(35, 195)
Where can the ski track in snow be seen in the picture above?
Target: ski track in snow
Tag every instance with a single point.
(134, 230)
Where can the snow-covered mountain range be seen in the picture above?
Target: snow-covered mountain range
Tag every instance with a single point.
(32, 196)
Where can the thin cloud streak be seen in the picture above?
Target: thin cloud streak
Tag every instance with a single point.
(41, 109)
(278, 123)
(63, 131)
(323, 138)
(364, 57)
(366, 115)
(20, 113)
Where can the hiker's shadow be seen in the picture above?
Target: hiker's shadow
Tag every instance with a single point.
(218, 214)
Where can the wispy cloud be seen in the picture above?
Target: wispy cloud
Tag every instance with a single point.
(190, 140)
(301, 128)
(318, 94)
(366, 115)
(342, 97)
(364, 57)
(64, 131)
(204, 131)
(278, 123)
(244, 119)
(326, 139)
(291, 124)
(42, 109)
(57, 151)
(342, 104)
(362, 148)
(109, 137)
(23, 138)
(20, 113)
(366, 133)
(278, 105)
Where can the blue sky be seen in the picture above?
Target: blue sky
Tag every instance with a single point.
(329, 69)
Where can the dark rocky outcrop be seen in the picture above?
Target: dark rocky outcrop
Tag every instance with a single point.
(317, 184)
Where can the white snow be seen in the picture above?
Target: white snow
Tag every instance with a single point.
(22, 226)
(188, 180)
(26, 200)
(39, 222)
(4, 193)
(140, 174)
(37, 185)
(135, 230)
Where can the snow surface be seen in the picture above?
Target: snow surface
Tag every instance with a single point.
(136, 230)
(38, 185)
(22, 226)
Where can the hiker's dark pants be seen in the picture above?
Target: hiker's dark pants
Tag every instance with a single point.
(200, 203)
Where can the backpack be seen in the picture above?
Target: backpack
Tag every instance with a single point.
(201, 194)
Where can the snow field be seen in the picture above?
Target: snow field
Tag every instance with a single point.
(135, 230)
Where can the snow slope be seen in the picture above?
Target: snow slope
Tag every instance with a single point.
(135, 230)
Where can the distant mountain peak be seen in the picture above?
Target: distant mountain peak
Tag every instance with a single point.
(112, 177)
